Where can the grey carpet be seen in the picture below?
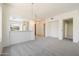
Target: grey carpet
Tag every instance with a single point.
(43, 47)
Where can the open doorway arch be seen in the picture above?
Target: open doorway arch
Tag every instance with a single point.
(40, 29)
(68, 29)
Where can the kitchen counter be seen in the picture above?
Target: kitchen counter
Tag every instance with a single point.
(20, 36)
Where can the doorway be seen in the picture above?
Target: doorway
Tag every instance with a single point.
(68, 29)
(39, 29)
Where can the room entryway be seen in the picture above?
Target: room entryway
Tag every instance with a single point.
(39, 29)
(68, 29)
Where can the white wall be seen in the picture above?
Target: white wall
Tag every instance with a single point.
(70, 30)
(0, 29)
(5, 23)
(76, 28)
(60, 18)
(31, 25)
(65, 29)
(0, 23)
(52, 29)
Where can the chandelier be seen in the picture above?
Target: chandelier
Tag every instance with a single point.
(34, 11)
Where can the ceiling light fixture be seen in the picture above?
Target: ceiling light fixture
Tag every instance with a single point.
(34, 12)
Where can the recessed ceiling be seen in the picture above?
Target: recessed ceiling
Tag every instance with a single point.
(42, 10)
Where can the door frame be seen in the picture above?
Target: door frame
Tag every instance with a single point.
(64, 27)
(43, 29)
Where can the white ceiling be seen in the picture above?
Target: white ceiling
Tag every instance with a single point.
(43, 10)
